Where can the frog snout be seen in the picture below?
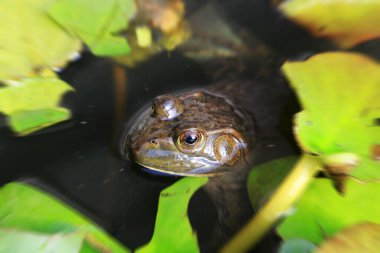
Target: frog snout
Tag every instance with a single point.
(144, 150)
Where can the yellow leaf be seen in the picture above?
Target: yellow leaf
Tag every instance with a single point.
(346, 22)
(30, 41)
(33, 103)
(363, 237)
(340, 96)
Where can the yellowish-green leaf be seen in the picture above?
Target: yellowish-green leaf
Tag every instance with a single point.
(32, 94)
(364, 237)
(26, 208)
(30, 41)
(25, 122)
(21, 241)
(173, 232)
(322, 212)
(340, 96)
(33, 103)
(346, 22)
(98, 23)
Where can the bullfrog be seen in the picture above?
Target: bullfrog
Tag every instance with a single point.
(195, 133)
(213, 131)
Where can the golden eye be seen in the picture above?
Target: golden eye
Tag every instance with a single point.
(190, 139)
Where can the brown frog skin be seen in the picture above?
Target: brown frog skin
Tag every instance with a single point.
(195, 133)
(206, 132)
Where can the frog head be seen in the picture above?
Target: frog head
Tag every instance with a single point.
(189, 134)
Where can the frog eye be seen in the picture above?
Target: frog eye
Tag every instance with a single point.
(190, 140)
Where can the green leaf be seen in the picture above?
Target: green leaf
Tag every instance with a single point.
(30, 41)
(173, 232)
(364, 237)
(340, 96)
(297, 246)
(19, 241)
(33, 103)
(25, 122)
(97, 23)
(265, 178)
(347, 22)
(24, 207)
(322, 212)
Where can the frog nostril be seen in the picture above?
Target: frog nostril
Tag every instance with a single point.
(154, 141)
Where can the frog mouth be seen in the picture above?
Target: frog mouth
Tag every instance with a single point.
(158, 161)
(198, 172)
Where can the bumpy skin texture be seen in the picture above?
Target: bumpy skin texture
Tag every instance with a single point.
(224, 135)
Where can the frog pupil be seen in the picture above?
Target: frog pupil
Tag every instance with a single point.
(190, 139)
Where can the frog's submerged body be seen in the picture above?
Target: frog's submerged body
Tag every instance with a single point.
(208, 132)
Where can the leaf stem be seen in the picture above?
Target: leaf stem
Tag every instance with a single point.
(290, 190)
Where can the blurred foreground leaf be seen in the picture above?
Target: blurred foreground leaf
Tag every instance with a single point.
(346, 22)
(340, 96)
(321, 211)
(18, 241)
(24, 122)
(33, 103)
(265, 178)
(363, 237)
(98, 23)
(173, 232)
(296, 246)
(161, 26)
(23, 207)
(30, 41)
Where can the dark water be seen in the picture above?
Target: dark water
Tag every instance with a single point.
(79, 160)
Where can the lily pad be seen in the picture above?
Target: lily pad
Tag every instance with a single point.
(340, 96)
(321, 211)
(363, 237)
(19, 241)
(33, 103)
(26, 208)
(25, 122)
(173, 232)
(98, 23)
(346, 22)
(30, 41)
